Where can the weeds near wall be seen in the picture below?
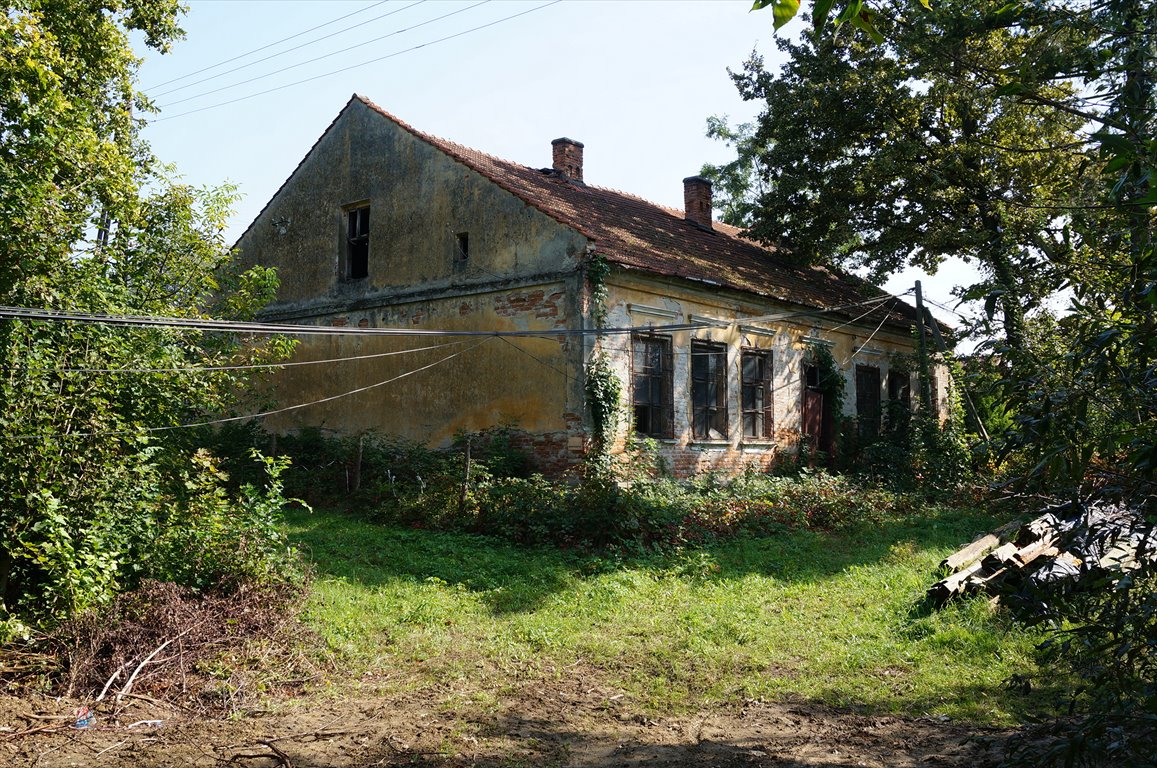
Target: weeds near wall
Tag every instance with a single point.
(619, 507)
(602, 386)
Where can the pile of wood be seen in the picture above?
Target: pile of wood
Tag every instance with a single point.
(1062, 546)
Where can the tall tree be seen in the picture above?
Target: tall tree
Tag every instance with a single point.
(90, 479)
(886, 155)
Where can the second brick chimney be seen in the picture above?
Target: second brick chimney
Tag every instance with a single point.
(568, 158)
(697, 200)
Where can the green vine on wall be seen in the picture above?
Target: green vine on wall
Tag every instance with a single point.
(830, 376)
(598, 270)
(603, 387)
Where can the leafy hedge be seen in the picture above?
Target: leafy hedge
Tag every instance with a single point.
(398, 481)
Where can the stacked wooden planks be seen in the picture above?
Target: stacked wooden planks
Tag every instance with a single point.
(1061, 545)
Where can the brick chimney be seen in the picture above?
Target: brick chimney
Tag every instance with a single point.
(697, 200)
(568, 158)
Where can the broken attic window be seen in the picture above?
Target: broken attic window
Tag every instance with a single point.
(462, 246)
(358, 243)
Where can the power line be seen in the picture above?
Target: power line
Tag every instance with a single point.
(229, 419)
(270, 45)
(356, 66)
(867, 341)
(244, 367)
(946, 308)
(310, 61)
(282, 329)
(535, 358)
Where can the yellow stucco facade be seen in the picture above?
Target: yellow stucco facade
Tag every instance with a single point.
(412, 255)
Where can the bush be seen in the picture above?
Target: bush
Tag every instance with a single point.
(1110, 644)
(182, 523)
(405, 483)
(210, 540)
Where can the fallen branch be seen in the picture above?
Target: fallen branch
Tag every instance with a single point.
(132, 678)
(108, 684)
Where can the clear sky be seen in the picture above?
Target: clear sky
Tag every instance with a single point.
(633, 80)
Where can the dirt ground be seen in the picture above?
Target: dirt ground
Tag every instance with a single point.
(567, 720)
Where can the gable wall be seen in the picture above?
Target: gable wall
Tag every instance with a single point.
(522, 274)
(419, 199)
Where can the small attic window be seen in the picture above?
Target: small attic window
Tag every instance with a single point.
(462, 246)
(357, 255)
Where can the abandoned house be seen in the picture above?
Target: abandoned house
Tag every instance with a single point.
(419, 249)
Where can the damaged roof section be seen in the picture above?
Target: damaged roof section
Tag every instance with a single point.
(636, 234)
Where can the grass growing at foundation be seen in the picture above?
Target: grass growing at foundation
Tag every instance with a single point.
(833, 617)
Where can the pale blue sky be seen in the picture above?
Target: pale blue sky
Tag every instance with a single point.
(634, 81)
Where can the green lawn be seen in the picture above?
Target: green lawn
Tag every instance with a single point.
(836, 617)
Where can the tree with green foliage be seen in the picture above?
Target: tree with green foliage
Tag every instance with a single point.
(884, 156)
(1083, 403)
(95, 483)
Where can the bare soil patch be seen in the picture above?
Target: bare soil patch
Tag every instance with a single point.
(563, 718)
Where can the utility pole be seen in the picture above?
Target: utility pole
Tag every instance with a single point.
(964, 396)
(924, 373)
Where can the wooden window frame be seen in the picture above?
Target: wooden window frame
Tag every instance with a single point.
(653, 415)
(869, 405)
(762, 416)
(708, 369)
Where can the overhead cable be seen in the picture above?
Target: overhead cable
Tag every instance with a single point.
(355, 66)
(246, 417)
(283, 329)
(313, 60)
(251, 366)
(270, 45)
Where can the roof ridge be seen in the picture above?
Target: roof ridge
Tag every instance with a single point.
(452, 149)
(675, 247)
(444, 142)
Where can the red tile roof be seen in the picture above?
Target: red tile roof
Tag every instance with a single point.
(637, 234)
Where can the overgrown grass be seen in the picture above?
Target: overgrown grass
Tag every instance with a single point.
(834, 617)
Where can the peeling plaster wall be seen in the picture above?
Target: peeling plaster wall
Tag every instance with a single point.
(522, 273)
(637, 299)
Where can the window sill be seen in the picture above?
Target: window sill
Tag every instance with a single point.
(758, 444)
(709, 445)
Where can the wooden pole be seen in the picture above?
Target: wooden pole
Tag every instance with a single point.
(465, 480)
(964, 396)
(922, 352)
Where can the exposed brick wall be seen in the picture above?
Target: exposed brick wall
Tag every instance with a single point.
(685, 461)
(697, 200)
(553, 453)
(537, 303)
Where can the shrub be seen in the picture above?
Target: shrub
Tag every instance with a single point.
(211, 540)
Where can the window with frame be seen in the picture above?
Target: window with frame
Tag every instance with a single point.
(652, 388)
(708, 390)
(755, 393)
(357, 255)
(868, 400)
(900, 388)
(898, 409)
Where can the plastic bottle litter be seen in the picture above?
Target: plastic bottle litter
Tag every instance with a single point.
(85, 717)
